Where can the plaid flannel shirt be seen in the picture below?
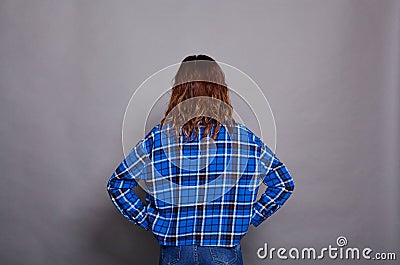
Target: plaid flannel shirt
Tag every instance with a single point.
(182, 207)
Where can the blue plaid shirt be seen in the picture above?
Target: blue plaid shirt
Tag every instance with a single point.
(202, 191)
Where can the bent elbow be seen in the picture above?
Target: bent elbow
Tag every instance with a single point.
(109, 182)
(289, 186)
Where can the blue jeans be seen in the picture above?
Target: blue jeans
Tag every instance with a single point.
(200, 255)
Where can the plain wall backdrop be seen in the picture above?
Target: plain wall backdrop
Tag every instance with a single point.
(330, 70)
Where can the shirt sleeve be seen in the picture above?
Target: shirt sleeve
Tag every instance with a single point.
(124, 179)
(280, 186)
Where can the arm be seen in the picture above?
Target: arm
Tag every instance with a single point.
(280, 186)
(122, 182)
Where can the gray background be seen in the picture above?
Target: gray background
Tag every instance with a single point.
(330, 70)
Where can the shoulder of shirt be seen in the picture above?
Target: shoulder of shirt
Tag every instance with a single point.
(251, 134)
(157, 128)
(153, 131)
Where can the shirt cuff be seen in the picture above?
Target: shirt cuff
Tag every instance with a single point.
(141, 219)
(257, 218)
(144, 223)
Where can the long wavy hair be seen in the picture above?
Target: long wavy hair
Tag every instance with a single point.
(199, 76)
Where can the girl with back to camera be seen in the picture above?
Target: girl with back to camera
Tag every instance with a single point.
(202, 170)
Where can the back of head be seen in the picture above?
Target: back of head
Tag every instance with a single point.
(199, 97)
